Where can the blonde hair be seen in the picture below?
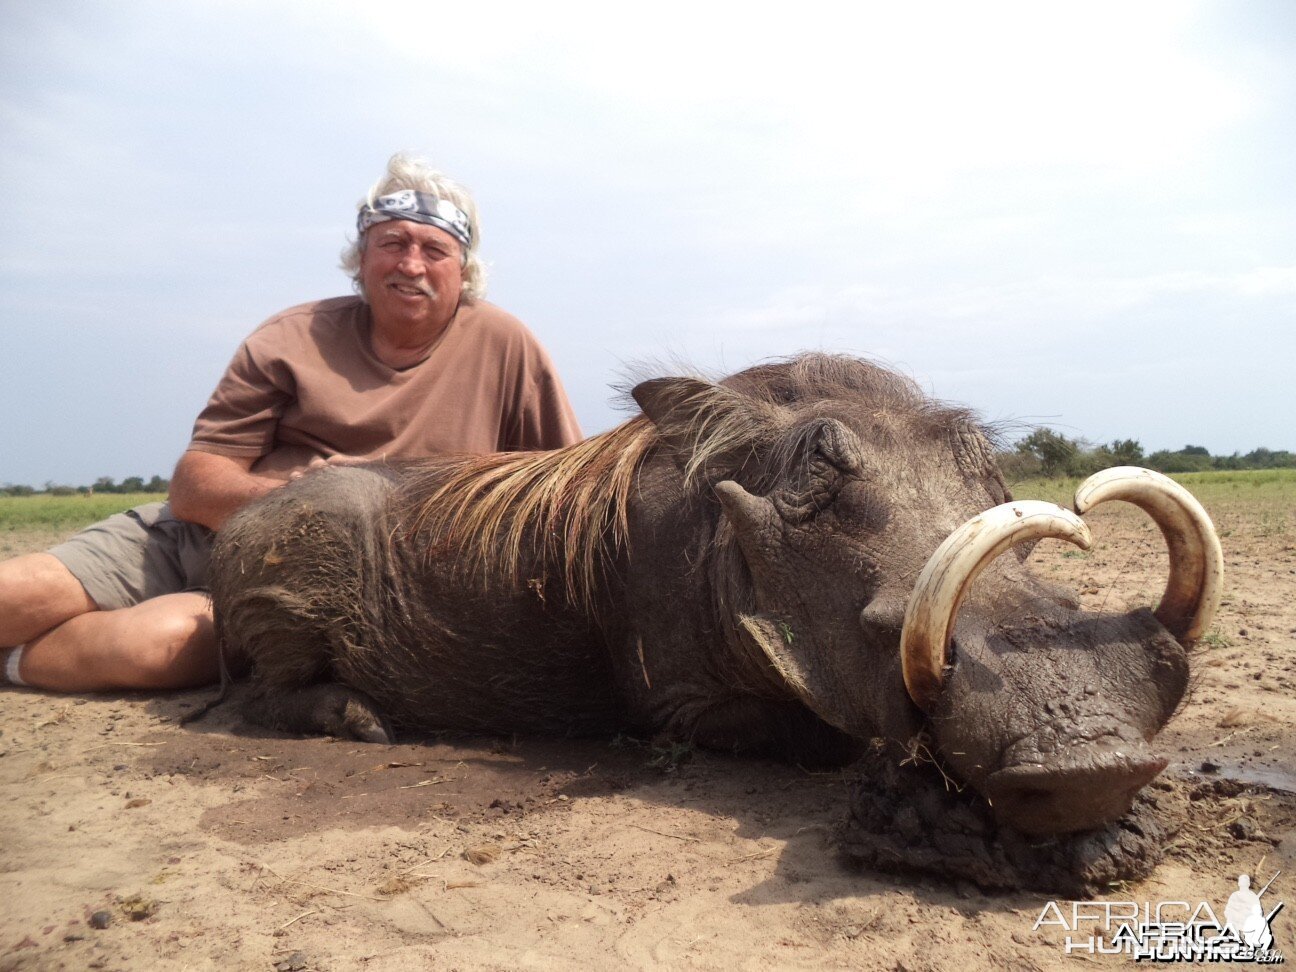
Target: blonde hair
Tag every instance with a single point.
(411, 172)
(570, 507)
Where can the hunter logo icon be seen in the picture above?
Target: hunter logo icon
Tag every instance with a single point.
(1245, 917)
(1171, 931)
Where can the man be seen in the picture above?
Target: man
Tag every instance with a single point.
(416, 364)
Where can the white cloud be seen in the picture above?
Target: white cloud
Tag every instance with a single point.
(1266, 282)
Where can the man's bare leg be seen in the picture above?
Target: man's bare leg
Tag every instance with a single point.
(164, 643)
(37, 593)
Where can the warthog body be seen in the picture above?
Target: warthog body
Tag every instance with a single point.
(731, 568)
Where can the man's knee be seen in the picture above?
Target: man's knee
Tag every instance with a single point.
(37, 592)
(171, 636)
(168, 642)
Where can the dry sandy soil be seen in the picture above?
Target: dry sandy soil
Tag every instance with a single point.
(216, 846)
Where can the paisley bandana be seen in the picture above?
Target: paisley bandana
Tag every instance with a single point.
(418, 207)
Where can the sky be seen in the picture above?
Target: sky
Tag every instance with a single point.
(1079, 215)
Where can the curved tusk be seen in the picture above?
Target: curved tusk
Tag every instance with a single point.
(1192, 592)
(929, 617)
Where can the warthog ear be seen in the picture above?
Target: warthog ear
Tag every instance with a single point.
(711, 431)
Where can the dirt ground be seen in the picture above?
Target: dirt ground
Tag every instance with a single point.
(213, 846)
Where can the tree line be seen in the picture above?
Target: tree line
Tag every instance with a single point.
(104, 484)
(1042, 453)
(1048, 453)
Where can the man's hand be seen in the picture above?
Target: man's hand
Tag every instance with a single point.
(319, 463)
(206, 488)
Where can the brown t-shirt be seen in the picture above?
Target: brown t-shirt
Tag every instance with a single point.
(306, 384)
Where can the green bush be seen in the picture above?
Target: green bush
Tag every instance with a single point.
(1050, 454)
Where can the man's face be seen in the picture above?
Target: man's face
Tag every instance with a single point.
(412, 274)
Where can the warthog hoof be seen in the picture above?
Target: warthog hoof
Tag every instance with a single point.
(330, 709)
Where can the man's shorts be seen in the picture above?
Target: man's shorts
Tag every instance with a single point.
(142, 553)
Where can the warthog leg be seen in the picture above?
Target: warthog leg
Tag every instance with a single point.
(328, 708)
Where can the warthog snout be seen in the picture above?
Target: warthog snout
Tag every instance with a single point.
(1080, 789)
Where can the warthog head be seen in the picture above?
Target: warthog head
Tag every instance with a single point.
(866, 527)
(1089, 690)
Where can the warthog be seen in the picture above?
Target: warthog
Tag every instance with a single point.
(781, 562)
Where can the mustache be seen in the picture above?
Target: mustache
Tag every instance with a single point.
(422, 286)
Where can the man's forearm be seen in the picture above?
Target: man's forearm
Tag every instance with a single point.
(207, 488)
